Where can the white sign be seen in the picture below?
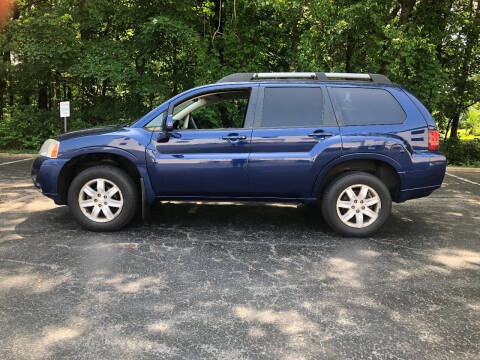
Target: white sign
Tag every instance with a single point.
(65, 109)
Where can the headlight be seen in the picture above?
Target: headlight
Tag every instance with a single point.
(49, 148)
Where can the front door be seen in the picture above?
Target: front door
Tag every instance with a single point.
(206, 155)
(295, 134)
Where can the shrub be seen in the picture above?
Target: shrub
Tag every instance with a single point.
(470, 121)
(461, 152)
(26, 128)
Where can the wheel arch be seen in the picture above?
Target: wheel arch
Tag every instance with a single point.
(95, 157)
(385, 168)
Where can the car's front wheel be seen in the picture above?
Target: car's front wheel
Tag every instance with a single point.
(103, 198)
(356, 204)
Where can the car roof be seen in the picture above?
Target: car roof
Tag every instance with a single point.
(303, 82)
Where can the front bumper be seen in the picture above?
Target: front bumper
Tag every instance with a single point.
(45, 173)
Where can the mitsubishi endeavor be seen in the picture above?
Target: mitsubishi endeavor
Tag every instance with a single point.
(351, 142)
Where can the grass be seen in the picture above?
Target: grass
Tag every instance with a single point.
(16, 151)
(462, 135)
(469, 164)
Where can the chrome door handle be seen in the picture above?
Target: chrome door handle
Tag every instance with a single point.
(320, 134)
(234, 137)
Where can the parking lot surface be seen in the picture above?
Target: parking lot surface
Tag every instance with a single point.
(232, 281)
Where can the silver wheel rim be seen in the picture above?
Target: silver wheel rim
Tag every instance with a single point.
(358, 206)
(100, 200)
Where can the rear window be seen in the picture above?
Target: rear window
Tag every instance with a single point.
(361, 106)
(292, 107)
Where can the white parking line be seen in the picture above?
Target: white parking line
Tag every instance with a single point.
(463, 179)
(12, 162)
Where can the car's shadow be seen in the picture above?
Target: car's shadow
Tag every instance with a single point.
(224, 221)
(240, 217)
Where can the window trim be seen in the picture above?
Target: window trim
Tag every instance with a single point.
(156, 128)
(338, 111)
(249, 114)
(260, 107)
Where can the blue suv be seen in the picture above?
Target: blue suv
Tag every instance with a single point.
(350, 142)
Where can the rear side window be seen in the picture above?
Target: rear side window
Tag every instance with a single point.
(361, 106)
(292, 107)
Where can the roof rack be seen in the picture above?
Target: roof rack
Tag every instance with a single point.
(320, 76)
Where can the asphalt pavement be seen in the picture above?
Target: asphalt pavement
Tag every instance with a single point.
(239, 281)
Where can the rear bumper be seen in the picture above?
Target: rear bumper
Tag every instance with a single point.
(426, 175)
(45, 173)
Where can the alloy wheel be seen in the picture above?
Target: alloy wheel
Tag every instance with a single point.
(100, 200)
(358, 206)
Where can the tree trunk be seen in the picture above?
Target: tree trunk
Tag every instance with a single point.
(10, 87)
(6, 57)
(454, 131)
(448, 128)
(42, 96)
(293, 46)
(26, 99)
(52, 96)
(3, 90)
(349, 54)
(3, 83)
(219, 21)
(8, 80)
(104, 89)
(406, 11)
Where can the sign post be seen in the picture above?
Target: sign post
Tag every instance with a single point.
(65, 112)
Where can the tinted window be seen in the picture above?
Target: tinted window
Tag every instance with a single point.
(292, 107)
(360, 106)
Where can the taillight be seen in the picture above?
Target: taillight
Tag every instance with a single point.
(433, 140)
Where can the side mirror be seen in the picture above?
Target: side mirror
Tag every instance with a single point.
(169, 123)
(163, 136)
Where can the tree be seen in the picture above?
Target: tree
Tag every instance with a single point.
(116, 59)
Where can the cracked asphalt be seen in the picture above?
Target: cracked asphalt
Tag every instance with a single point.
(232, 281)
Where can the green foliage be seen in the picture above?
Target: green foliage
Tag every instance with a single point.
(224, 114)
(461, 152)
(117, 59)
(44, 43)
(471, 121)
(29, 132)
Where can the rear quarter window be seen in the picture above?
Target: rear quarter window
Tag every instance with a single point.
(362, 106)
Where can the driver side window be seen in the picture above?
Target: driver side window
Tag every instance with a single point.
(219, 110)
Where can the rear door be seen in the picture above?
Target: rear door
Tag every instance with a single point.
(295, 134)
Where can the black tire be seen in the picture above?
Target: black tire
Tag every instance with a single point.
(122, 180)
(335, 189)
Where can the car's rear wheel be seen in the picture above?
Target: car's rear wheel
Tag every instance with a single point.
(356, 204)
(103, 198)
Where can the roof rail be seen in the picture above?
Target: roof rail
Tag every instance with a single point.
(321, 76)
